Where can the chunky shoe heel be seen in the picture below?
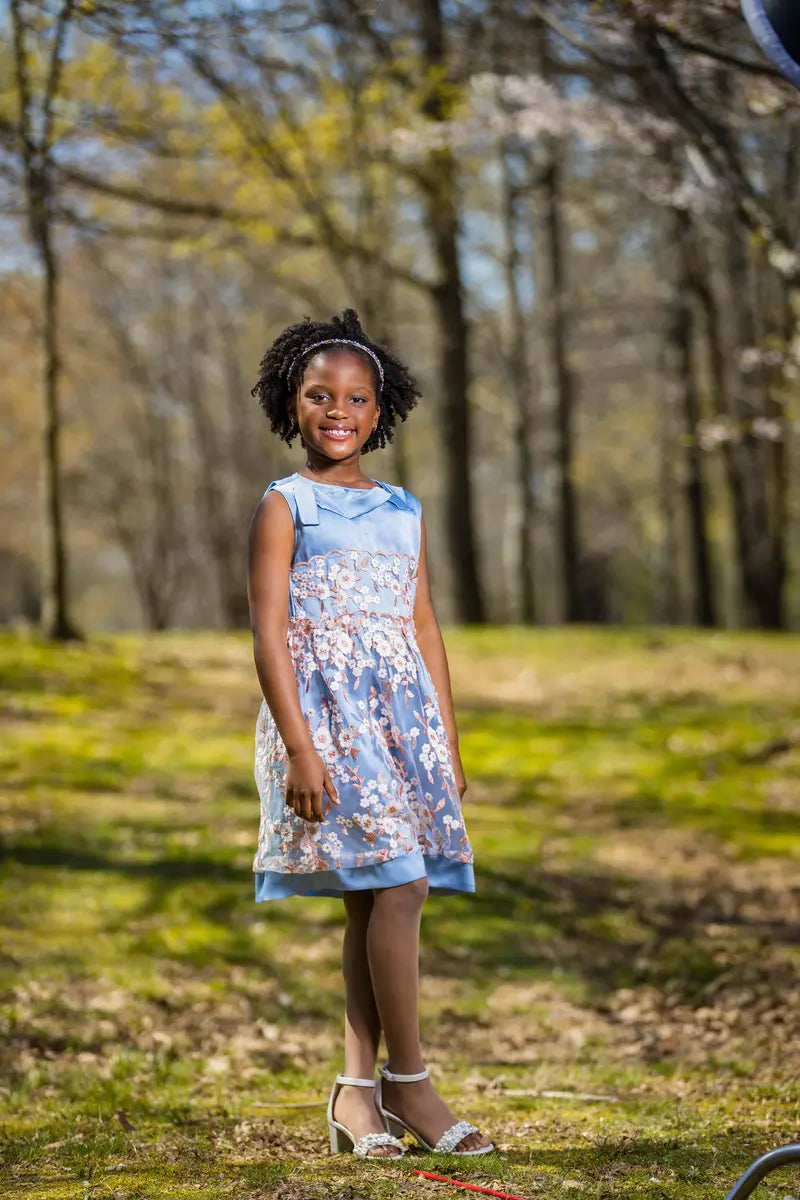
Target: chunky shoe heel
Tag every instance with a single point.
(450, 1138)
(395, 1127)
(340, 1141)
(341, 1137)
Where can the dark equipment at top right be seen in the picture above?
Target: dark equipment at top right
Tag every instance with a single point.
(775, 24)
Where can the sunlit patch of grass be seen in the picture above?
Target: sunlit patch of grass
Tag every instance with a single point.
(617, 1003)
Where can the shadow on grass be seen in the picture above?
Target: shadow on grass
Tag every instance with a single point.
(743, 821)
(175, 870)
(620, 1166)
(612, 931)
(683, 1159)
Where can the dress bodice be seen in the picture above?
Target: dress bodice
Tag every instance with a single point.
(349, 555)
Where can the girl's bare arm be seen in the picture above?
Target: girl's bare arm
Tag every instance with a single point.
(269, 561)
(429, 640)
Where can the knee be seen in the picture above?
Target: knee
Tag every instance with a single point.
(406, 897)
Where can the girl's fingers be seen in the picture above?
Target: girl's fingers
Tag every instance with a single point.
(330, 793)
(327, 783)
(312, 804)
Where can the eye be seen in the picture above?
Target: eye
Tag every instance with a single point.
(360, 400)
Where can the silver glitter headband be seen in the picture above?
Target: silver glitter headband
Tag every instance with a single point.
(336, 342)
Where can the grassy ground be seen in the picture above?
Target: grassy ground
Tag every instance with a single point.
(619, 1004)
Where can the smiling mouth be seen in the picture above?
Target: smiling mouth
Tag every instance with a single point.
(338, 434)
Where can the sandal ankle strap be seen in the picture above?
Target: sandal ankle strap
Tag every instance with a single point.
(385, 1073)
(349, 1081)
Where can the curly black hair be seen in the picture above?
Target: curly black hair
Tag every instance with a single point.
(283, 365)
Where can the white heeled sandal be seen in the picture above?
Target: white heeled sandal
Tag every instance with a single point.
(450, 1138)
(341, 1137)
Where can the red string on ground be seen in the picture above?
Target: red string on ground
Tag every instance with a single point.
(473, 1187)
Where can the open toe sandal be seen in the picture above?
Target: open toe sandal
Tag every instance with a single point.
(450, 1138)
(341, 1137)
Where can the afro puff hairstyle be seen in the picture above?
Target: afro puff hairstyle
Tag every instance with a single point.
(283, 366)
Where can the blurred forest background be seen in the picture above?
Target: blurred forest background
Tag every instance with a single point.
(577, 221)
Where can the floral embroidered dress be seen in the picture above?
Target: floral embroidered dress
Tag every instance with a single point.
(369, 704)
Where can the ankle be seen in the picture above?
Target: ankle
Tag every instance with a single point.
(359, 1070)
(405, 1072)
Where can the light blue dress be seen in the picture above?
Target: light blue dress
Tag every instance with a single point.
(369, 704)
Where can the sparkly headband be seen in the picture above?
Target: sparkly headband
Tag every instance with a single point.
(337, 342)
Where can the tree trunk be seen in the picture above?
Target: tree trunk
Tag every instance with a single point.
(521, 386)
(742, 387)
(448, 298)
(666, 602)
(760, 582)
(777, 381)
(376, 297)
(56, 620)
(145, 563)
(759, 570)
(681, 339)
(35, 140)
(225, 547)
(547, 202)
(551, 288)
(779, 464)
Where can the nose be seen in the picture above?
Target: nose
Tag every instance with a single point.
(336, 410)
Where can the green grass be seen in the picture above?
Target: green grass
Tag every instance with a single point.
(634, 802)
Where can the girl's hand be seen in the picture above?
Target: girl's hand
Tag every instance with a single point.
(461, 782)
(309, 787)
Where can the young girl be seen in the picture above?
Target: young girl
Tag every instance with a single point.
(357, 760)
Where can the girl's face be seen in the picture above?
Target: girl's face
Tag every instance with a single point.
(336, 407)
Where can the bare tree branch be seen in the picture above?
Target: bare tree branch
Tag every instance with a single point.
(54, 72)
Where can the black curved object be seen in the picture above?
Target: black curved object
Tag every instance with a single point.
(775, 24)
(746, 1183)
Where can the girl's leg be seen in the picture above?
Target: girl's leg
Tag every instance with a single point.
(355, 1107)
(362, 1025)
(393, 948)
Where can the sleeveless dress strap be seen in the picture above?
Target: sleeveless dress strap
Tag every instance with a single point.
(306, 502)
(300, 494)
(402, 498)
